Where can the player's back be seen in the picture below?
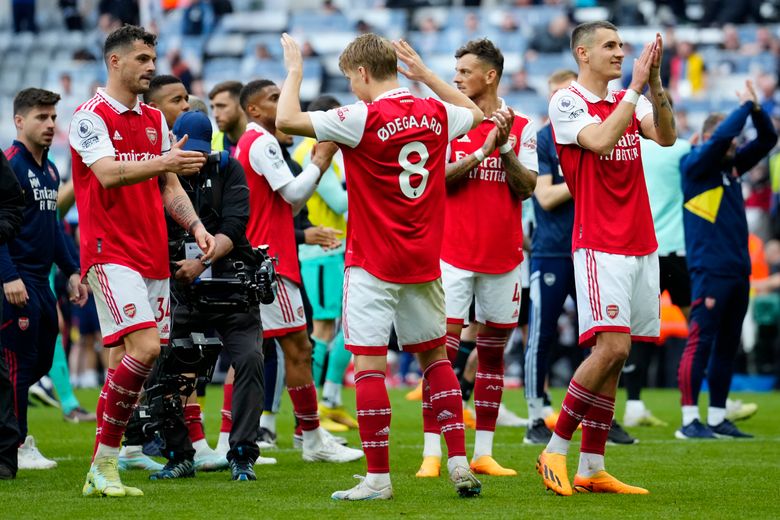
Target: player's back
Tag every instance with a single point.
(396, 180)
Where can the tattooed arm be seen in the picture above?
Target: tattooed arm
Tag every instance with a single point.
(179, 207)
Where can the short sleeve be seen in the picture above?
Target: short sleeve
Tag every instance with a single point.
(643, 107)
(568, 116)
(459, 120)
(528, 156)
(88, 135)
(343, 125)
(166, 133)
(266, 159)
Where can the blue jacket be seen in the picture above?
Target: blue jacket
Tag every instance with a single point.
(41, 241)
(716, 232)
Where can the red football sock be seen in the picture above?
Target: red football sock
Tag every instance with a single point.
(489, 382)
(194, 422)
(373, 415)
(453, 344)
(430, 424)
(121, 398)
(101, 407)
(304, 400)
(447, 405)
(227, 409)
(596, 424)
(575, 405)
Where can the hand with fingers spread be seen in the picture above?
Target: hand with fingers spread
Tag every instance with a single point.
(415, 69)
(642, 65)
(293, 59)
(183, 162)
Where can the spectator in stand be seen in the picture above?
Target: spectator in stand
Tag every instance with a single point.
(519, 83)
(555, 38)
(765, 43)
(180, 69)
(24, 15)
(731, 41)
(198, 19)
(71, 15)
(688, 76)
(126, 11)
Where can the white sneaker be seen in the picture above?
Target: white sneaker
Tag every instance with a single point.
(30, 458)
(507, 417)
(223, 447)
(466, 484)
(263, 461)
(736, 410)
(209, 460)
(326, 449)
(364, 492)
(298, 439)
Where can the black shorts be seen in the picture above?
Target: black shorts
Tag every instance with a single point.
(675, 279)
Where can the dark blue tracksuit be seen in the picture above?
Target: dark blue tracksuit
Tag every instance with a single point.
(716, 241)
(552, 271)
(29, 333)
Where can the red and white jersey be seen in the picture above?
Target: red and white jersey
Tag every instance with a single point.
(270, 216)
(123, 225)
(394, 153)
(483, 229)
(611, 206)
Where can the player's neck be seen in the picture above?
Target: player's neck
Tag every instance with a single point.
(235, 133)
(35, 150)
(378, 88)
(488, 102)
(269, 127)
(596, 84)
(116, 91)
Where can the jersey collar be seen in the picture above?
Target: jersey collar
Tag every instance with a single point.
(257, 127)
(23, 149)
(394, 93)
(589, 96)
(119, 107)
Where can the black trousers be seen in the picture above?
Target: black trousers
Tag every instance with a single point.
(9, 429)
(241, 335)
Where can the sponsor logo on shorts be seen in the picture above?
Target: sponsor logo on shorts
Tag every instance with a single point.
(129, 310)
(612, 311)
(151, 133)
(24, 323)
(300, 312)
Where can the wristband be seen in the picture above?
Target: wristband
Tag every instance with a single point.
(479, 154)
(506, 147)
(632, 96)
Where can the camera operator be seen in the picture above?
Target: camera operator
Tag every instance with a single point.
(220, 194)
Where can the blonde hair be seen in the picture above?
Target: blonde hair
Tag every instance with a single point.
(372, 52)
(559, 76)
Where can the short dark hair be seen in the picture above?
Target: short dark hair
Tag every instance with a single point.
(252, 88)
(125, 36)
(30, 98)
(712, 122)
(233, 87)
(486, 52)
(585, 31)
(323, 103)
(157, 83)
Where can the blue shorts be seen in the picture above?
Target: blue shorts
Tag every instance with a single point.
(323, 279)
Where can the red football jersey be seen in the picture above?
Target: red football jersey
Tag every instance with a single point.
(611, 207)
(483, 229)
(270, 216)
(394, 153)
(124, 225)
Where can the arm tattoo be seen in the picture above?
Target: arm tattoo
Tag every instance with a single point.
(122, 170)
(180, 209)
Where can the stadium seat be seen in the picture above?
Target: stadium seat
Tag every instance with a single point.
(225, 45)
(272, 20)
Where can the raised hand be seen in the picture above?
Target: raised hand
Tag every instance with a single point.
(322, 154)
(749, 94)
(655, 68)
(293, 60)
(183, 162)
(504, 119)
(415, 69)
(642, 66)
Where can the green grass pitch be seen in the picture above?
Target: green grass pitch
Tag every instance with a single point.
(710, 479)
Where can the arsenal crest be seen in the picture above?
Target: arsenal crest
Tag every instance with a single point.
(612, 311)
(151, 133)
(24, 323)
(300, 312)
(52, 174)
(129, 310)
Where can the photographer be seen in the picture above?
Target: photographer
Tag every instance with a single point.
(220, 194)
